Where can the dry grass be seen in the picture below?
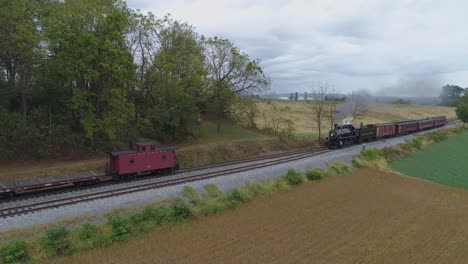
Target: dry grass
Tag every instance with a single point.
(302, 115)
(367, 217)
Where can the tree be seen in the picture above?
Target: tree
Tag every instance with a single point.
(319, 94)
(19, 52)
(171, 76)
(86, 39)
(462, 109)
(231, 73)
(332, 104)
(450, 94)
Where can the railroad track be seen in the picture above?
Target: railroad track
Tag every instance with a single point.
(21, 197)
(38, 206)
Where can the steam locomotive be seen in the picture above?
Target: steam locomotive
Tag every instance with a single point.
(350, 134)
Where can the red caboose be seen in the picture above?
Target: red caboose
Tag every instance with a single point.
(141, 158)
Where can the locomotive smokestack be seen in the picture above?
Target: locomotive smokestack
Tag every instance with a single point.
(335, 126)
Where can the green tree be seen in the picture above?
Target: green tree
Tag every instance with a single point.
(450, 94)
(171, 76)
(231, 73)
(462, 109)
(86, 43)
(19, 53)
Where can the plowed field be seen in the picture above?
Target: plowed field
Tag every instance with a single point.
(369, 217)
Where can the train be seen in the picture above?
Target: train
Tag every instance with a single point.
(350, 134)
(149, 158)
(141, 158)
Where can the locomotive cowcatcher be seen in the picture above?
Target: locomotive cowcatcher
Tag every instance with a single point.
(141, 158)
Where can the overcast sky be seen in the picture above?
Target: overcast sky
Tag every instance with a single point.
(398, 47)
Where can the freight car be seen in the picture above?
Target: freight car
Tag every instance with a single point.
(142, 158)
(351, 134)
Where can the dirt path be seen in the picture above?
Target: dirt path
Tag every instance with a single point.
(370, 217)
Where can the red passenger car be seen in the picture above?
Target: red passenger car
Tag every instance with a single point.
(384, 130)
(407, 127)
(440, 121)
(426, 124)
(141, 158)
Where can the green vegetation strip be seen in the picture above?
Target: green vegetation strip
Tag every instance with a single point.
(445, 162)
(60, 241)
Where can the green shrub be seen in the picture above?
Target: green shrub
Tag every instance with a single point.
(192, 195)
(417, 143)
(339, 168)
(237, 196)
(315, 174)
(56, 241)
(212, 208)
(255, 189)
(88, 231)
(293, 177)
(180, 211)
(371, 154)
(438, 136)
(357, 163)
(15, 251)
(120, 227)
(150, 214)
(212, 191)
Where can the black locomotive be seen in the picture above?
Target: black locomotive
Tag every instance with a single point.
(350, 134)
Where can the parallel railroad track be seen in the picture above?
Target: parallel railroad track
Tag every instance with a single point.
(70, 189)
(38, 206)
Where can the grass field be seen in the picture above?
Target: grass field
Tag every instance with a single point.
(445, 162)
(367, 217)
(301, 113)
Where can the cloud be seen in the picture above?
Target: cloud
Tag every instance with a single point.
(354, 44)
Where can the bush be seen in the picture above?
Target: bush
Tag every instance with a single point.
(192, 195)
(180, 211)
(315, 174)
(293, 177)
(417, 143)
(339, 168)
(212, 208)
(150, 214)
(256, 189)
(237, 197)
(438, 136)
(120, 227)
(371, 154)
(56, 241)
(14, 252)
(213, 191)
(88, 231)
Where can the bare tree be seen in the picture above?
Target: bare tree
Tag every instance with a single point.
(359, 101)
(354, 106)
(319, 93)
(332, 105)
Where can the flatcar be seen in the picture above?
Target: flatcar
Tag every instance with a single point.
(351, 134)
(141, 158)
